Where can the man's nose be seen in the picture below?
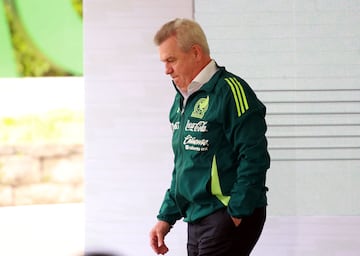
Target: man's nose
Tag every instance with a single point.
(168, 69)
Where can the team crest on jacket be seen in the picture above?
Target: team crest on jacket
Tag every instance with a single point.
(200, 108)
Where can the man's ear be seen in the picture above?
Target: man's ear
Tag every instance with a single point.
(197, 51)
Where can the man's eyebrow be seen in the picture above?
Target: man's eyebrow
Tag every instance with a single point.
(168, 59)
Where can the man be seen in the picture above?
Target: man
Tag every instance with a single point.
(220, 150)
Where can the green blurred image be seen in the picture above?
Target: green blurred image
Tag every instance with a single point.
(41, 38)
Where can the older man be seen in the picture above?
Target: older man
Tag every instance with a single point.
(220, 150)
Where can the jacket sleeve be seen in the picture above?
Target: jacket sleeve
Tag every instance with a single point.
(246, 131)
(169, 211)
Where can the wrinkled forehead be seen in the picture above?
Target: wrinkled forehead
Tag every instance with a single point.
(169, 49)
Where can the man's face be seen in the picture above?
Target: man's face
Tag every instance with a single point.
(180, 65)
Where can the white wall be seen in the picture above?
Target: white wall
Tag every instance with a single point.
(302, 57)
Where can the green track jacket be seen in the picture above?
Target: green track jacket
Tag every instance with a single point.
(220, 151)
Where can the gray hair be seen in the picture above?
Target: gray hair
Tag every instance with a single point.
(187, 32)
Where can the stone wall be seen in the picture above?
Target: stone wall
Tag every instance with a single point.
(41, 174)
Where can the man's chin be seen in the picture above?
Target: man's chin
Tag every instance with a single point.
(176, 82)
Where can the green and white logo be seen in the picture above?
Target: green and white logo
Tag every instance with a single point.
(200, 108)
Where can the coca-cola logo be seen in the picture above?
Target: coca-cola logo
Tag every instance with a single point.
(200, 126)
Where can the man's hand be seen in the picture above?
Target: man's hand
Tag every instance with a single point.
(236, 221)
(157, 235)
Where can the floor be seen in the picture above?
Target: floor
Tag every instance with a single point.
(58, 230)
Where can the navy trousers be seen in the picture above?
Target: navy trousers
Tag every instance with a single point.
(216, 234)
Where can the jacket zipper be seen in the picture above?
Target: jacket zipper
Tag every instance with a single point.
(181, 137)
